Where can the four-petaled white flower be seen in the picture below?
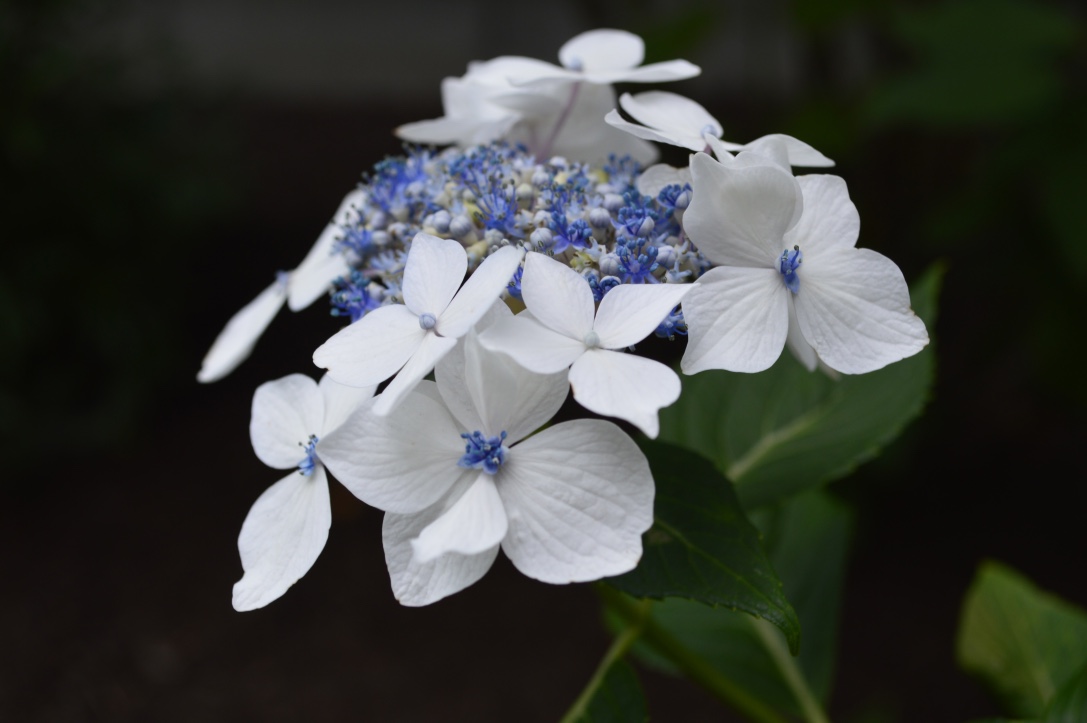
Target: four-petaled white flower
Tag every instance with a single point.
(298, 288)
(459, 476)
(410, 338)
(607, 56)
(287, 526)
(562, 332)
(787, 267)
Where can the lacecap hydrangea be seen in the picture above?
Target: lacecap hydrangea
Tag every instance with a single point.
(530, 257)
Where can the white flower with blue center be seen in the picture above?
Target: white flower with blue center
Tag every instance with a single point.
(287, 526)
(409, 339)
(787, 269)
(566, 330)
(298, 288)
(459, 476)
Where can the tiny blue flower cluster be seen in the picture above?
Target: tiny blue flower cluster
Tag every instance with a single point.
(485, 453)
(486, 197)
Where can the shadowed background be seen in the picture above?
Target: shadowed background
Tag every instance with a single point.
(161, 161)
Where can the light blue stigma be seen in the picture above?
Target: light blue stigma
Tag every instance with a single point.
(427, 321)
(305, 467)
(790, 262)
(483, 453)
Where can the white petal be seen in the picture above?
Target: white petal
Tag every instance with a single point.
(738, 217)
(631, 312)
(479, 292)
(664, 72)
(454, 394)
(340, 401)
(236, 340)
(434, 271)
(533, 345)
(599, 50)
(420, 364)
(578, 496)
(373, 348)
(674, 114)
(655, 178)
(798, 152)
(403, 462)
(282, 535)
(583, 137)
(462, 131)
(829, 220)
(854, 308)
(285, 413)
(720, 148)
(506, 396)
(322, 265)
(473, 524)
(737, 319)
(617, 121)
(558, 297)
(626, 386)
(414, 583)
(798, 345)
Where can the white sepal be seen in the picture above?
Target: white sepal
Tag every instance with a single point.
(854, 309)
(480, 292)
(433, 272)
(402, 462)
(626, 386)
(285, 412)
(235, 342)
(631, 312)
(558, 297)
(373, 348)
(473, 524)
(414, 583)
(282, 535)
(590, 476)
(739, 216)
(737, 319)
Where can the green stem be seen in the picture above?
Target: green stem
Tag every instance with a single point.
(694, 667)
(618, 649)
(786, 664)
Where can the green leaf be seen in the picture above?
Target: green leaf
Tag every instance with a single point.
(1069, 705)
(618, 698)
(702, 547)
(808, 543)
(1022, 642)
(786, 430)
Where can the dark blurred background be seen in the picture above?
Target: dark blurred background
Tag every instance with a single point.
(162, 160)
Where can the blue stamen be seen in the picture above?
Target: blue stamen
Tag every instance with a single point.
(485, 453)
(305, 467)
(790, 262)
(427, 321)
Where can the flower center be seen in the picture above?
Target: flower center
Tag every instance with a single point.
(427, 321)
(591, 340)
(485, 453)
(305, 467)
(790, 262)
